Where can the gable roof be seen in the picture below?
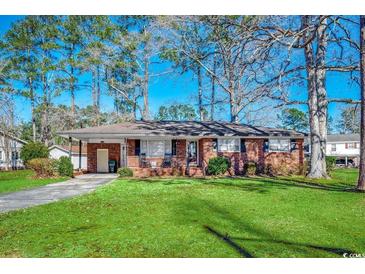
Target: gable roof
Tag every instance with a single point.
(343, 138)
(12, 137)
(74, 149)
(178, 129)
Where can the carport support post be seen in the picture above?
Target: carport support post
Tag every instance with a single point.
(70, 147)
(346, 161)
(80, 145)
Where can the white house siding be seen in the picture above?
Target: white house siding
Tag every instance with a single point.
(14, 148)
(57, 153)
(341, 149)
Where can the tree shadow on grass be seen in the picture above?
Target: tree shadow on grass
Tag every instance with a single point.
(211, 216)
(243, 252)
(302, 183)
(260, 184)
(264, 184)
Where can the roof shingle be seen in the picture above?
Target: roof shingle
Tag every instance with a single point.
(182, 128)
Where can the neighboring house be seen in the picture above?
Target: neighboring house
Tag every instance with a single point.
(345, 147)
(177, 147)
(10, 147)
(57, 151)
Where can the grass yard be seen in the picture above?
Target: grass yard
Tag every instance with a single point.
(182, 217)
(22, 179)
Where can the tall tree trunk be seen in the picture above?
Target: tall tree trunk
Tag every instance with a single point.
(32, 105)
(361, 181)
(322, 92)
(200, 93)
(316, 110)
(212, 100)
(146, 112)
(233, 108)
(98, 95)
(45, 111)
(95, 96)
(72, 94)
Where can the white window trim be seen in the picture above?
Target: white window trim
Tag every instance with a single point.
(280, 139)
(166, 141)
(220, 140)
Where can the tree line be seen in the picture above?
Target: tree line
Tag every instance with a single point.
(248, 65)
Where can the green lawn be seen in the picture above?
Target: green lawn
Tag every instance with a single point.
(22, 179)
(252, 217)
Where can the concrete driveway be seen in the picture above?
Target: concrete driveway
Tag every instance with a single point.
(53, 192)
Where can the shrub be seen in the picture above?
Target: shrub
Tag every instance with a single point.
(43, 167)
(125, 172)
(251, 168)
(217, 165)
(33, 150)
(330, 163)
(65, 166)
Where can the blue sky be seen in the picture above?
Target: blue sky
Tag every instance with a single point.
(167, 89)
(163, 90)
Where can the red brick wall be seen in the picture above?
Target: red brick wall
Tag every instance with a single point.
(131, 146)
(286, 162)
(280, 161)
(113, 152)
(206, 151)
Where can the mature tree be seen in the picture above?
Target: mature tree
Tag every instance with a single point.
(19, 50)
(195, 41)
(178, 112)
(239, 58)
(136, 51)
(98, 33)
(7, 125)
(72, 43)
(361, 181)
(49, 69)
(349, 121)
(311, 37)
(293, 118)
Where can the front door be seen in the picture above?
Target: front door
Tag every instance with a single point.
(102, 159)
(192, 153)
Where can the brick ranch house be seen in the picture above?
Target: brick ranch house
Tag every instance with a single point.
(185, 147)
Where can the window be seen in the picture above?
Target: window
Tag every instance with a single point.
(279, 144)
(293, 144)
(215, 145)
(351, 145)
(156, 148)
(15, 155)
(229, 145)
(333, 147)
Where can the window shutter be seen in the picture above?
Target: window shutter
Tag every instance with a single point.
(346, 145)
(137, 147)
(173, 147)
(243, 146)
(266, 145)
(355, 146)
